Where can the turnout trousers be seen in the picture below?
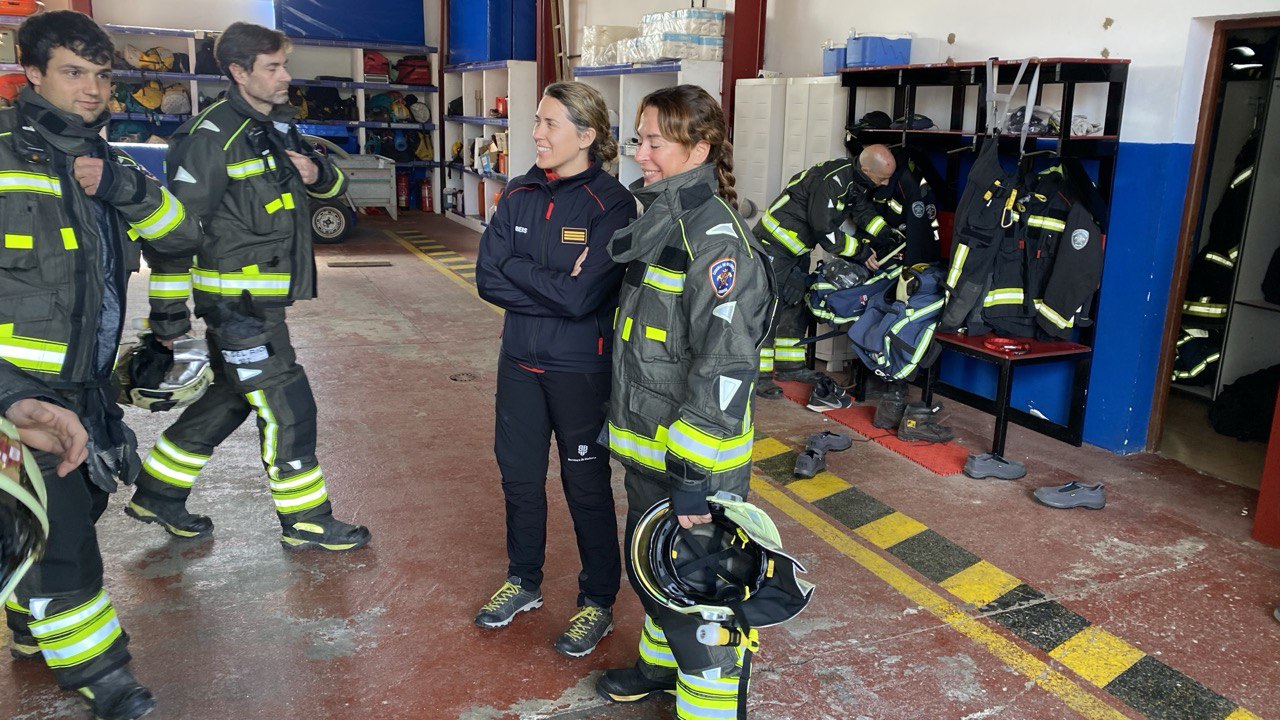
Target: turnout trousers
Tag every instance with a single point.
(61, 602)
(782, 350)
(531, 404)
(255, 370)
(711, 681)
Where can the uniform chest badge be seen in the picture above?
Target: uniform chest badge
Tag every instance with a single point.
(723, 273)
(1079, 239)
(573, 236)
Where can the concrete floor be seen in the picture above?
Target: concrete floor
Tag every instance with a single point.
(402, 360)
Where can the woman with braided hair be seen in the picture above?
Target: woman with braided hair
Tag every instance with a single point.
(695, 306)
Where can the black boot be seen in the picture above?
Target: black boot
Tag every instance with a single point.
(118, 696)
(633, 684)
(918, 423)
(22, 646)
(892, 403)
(169, 513)
(322, 531)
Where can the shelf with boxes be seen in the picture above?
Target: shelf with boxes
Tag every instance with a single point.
(487, 134)
(624, 86)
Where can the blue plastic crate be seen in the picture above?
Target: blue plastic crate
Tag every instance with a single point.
(882, 50)
(488, 30)
(832, 60)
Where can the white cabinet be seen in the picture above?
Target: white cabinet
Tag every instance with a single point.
(470, 185)
(814, 124)
(759, 111)
(624, 86)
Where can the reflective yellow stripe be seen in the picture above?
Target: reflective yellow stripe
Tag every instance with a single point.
(165, 218)
(18, 242)
(654, 333)
(1046, 222)
(706, 450)
(333, 189)
(626, 329)
(31, 353)
(14, 181)
(895, 206)
(876, 225)
(649, 452)
(250, 168)
(233, 283)
(663, 279)
(165, 286)
(69, 239)
(1052, 316)
(957, 264)
(1003, 297)
(79, 635)
(1219, 259)
(1245, 175)
(1204, 364)
(1204, 309)
(285, 201)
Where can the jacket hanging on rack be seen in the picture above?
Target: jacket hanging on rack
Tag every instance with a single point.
(1213, 272)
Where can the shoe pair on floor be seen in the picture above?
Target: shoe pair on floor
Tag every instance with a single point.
(767, 388)
(586, 628)
(914, 421)
(321, 531)
(812, 460)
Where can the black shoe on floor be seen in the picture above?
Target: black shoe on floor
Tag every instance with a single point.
(325, 532)
(767, 388)
(586, 629)
(172, 515)
(809, 463)
(890, 406)
(627, 685)
(118, 696)
(827, 395)
(918, 423)
(827, 441)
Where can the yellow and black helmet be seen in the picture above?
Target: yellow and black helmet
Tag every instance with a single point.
(24, 522)
(156, 378)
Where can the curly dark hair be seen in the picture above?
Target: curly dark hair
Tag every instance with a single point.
(39, 34)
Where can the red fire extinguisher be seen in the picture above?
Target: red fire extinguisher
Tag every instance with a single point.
(425, 190)
(402, 190)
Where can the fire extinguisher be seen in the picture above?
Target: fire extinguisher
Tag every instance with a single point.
(402, 190)
(425, 191)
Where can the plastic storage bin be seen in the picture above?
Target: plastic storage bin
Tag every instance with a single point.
(833, 58)
(885, 50)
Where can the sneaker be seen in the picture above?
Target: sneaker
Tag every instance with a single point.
(325, 532)
(827, 395)
(990, 465)
(767, 388)
(170, 514)
(118, 696)
(809, 463)
(23, 647)
(804, 375)
(631, 684)
(586, 629)
(918, 423)
(509, 600)
(1072, 495)
(827, 441)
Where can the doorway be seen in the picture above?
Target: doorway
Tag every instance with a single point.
(1222, 357)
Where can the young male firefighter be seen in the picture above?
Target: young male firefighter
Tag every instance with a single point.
(74, 214)
(810, 212)
(242, 168)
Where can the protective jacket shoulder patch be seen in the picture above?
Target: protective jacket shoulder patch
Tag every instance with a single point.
(725, 311)
(728, 389)
(183, 176)
(573, 236)
(723, 273)
(723, 229)
(1079, 239)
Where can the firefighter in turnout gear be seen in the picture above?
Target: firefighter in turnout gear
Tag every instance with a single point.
(242, 168)
(74, 213)
(693, 311)
(812, 211)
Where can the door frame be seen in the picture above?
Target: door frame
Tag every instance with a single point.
(1191, 215)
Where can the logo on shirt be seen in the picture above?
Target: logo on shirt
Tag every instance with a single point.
(723, 273)
(582, 451)
(917, 209)
(1079, 239)
(573, 236)
(522, 229)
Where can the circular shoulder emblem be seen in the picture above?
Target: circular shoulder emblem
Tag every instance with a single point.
(917, 208)
(723, 273)
(1079, 239)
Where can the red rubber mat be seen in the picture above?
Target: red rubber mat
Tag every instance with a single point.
(942, 458)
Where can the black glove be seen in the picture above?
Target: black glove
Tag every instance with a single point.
(792, 288)
(687, 502)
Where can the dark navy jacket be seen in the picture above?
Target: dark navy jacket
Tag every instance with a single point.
(554, 321)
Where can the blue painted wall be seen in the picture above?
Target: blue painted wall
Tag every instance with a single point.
(1146, 215)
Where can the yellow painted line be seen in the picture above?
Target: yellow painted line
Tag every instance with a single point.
(765, 448)
(890, 529)
(824, 484)
(1036, 670)
(443, 270)
(1242, 714)
(980, 583)
(1096, 655)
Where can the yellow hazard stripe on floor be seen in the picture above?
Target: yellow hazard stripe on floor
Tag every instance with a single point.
(432, 257)
(1104, 660)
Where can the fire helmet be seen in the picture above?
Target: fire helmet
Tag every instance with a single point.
(24, 521)
(157, 378)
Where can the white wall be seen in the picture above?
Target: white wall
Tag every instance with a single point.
(188, 15)
(1161, 37)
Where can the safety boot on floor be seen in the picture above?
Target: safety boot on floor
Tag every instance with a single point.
(800, 374)
(170, 514)
(918, 423)
(586, 629)
(325, 532)
(118, 696)
(890, 406)
(632, 684)
(505, 604)
(23, 647)
(767, 388)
